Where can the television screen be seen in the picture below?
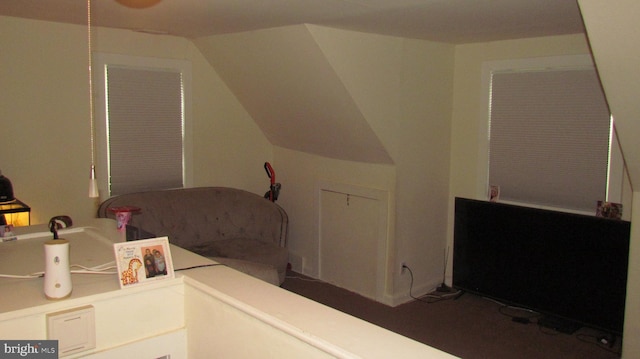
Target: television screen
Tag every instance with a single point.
(567, 266)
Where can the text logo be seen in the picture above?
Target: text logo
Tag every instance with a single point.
(29, 349)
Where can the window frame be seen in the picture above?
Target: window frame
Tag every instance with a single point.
(615, 168)
(100, 63)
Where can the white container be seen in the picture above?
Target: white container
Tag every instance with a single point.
(57, 274)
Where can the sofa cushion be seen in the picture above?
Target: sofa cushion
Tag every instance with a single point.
(247, 249)
(258, 270)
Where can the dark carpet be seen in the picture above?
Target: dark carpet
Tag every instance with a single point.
(468, 326)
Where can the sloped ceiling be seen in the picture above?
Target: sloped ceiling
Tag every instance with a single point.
(612, 29)
(285, 82)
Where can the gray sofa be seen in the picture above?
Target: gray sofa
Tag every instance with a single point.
(238, 228)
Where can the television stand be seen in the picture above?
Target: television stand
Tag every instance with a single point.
(558, 324)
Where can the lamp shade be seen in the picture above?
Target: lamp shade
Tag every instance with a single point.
(6, 189)
(93, 183)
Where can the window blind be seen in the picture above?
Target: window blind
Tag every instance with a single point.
(549, 138)
(145, 136)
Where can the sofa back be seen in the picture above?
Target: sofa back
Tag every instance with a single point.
(191, 217)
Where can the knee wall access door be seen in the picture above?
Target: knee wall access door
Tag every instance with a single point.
(353, 237)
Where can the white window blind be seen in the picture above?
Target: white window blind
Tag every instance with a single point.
(549, 138)
(145, 129)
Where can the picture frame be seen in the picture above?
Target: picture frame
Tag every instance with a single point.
(494, 193)
(609, 210)
(143, 261)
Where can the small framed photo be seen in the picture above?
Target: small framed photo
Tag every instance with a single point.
(143, 261)
(609, 210)
(494, 193)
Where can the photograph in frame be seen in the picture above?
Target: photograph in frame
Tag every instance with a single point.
(609, 210)
(143, 261)
(494, 193)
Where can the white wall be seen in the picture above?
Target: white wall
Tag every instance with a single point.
(613, 35)
(45, 144)
(404, 89)
(231, 315)
(300, 175)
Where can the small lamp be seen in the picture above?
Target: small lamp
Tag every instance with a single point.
(6, 189)
(12, 211)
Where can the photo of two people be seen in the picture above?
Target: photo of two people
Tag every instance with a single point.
(154, 261)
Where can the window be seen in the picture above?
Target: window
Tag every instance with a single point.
(142, 115)
(549, 134)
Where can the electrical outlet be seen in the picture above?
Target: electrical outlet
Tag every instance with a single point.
(403, 267)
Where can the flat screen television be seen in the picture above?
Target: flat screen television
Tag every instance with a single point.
(565, 266)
